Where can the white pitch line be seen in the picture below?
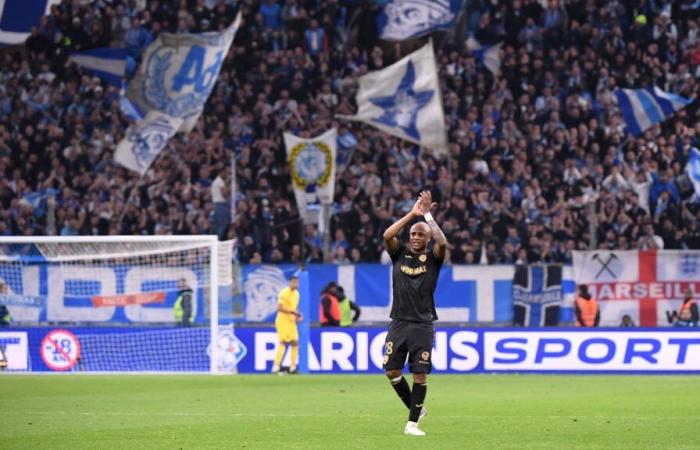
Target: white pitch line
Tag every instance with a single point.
(292, 415)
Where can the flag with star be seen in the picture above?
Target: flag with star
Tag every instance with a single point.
(404, 100)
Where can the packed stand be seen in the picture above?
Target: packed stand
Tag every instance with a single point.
(539, 163)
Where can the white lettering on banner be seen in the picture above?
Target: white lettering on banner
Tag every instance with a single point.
(138, 276)
(591, 351)
(657, 290)
(56, 309)
(376, 349)
(459, 344)
(14, 346)
(339, 347)
(485, 279)
(265, 349)
(360, 356)
(30, 288)
(336, 347)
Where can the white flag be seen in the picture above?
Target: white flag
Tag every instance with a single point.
(312, 166)
(170, 88)
(144, 141)
(404, 100)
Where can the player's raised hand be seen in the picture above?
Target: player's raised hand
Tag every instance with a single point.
(417, 209)
(426, 202)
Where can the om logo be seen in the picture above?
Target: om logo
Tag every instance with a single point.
(311, 163)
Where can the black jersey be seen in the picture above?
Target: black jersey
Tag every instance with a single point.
(414, 277)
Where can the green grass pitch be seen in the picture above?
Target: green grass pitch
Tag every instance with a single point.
(332, 412)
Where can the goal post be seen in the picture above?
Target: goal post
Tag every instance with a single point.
(119, 292)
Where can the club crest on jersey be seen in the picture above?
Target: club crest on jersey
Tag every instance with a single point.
(422, 258)
(425, 356)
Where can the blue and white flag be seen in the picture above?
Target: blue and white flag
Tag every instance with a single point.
(37, 199)
(312, 166)
(404, 100)
(17, 17)
(537, 295)
(169, 90)
(489, 56)
(347, 143)
(107, 63)
(407, 19)
(643, 108)
(692, 169)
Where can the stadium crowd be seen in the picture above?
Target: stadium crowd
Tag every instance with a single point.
(539, 161)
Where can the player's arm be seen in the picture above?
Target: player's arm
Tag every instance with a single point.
(390, 241)
(281, 308)
(426, 203)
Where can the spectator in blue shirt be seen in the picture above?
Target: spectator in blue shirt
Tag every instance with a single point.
(272, 14)
(315, 38)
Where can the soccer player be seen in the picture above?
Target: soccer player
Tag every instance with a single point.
(286, 324)
(411, 332)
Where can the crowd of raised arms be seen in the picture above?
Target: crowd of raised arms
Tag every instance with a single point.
(536, 152)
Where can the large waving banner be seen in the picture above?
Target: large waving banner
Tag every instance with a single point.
(647, 285)
(169, 90)
(404, 100)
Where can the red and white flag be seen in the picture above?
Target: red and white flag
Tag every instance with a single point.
(647, 285)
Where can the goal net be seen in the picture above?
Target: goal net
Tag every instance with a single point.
(123, 303)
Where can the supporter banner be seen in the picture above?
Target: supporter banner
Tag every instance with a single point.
(537, 295)
(464, 293)
(357, 350)
(647, 285)
(17, 17)
(169, 90)
(312, 166)
(43, 292)
(404, 100)
(457, 350)
(407, 19)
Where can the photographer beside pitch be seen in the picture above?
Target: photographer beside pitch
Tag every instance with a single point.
(414, 276)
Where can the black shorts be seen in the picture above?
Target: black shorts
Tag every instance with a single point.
(412, 339)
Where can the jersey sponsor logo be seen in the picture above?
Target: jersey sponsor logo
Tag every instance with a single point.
(413, 270)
